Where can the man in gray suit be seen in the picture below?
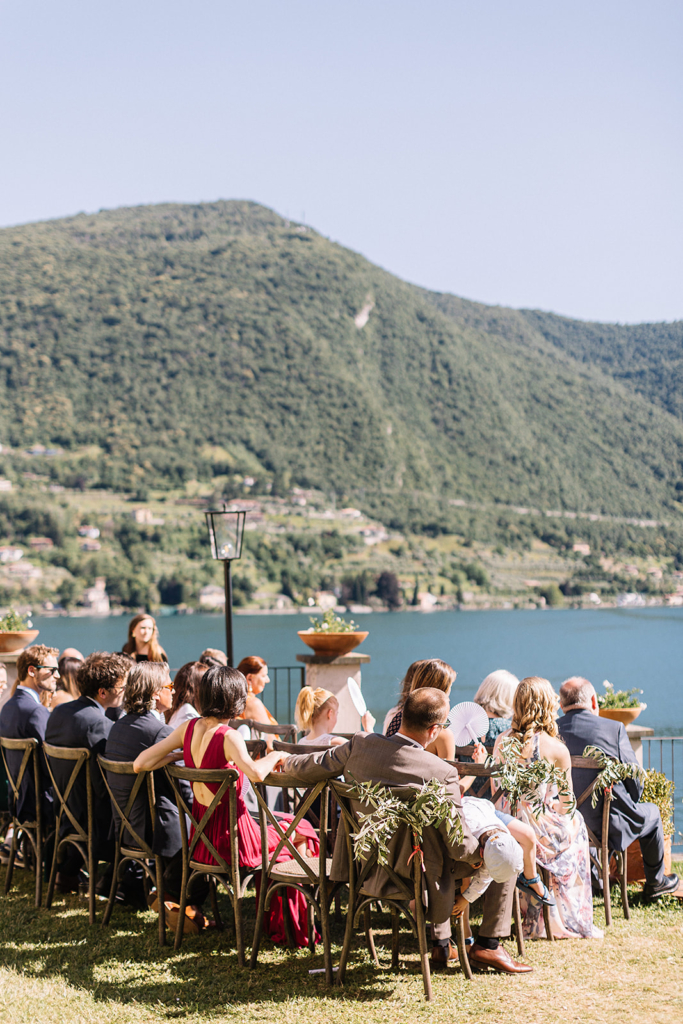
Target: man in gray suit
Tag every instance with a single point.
(629, 819)
(401, 760)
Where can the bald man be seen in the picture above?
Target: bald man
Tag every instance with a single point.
(582, 726)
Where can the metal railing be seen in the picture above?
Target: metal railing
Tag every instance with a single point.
(665, 754)
(280, 695)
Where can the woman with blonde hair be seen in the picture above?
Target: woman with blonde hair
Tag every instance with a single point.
(143, 640)
(440, 676)
(316, 714)
(561, 837)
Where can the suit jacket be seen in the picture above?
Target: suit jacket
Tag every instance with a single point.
(580, 728)
(396, 761)
(82, 723)
(129, 737)
(22, 718)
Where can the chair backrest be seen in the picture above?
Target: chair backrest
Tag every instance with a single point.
(29, 749)
(257, 748)
(467, 751)
(591, 764)
(288, 732)
(479, 771)
(81, 758)
(348, 804)
(286, 831)
(226, 779)
(300, 748)
(140, 780)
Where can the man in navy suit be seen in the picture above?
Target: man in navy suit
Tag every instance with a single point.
(84, 723)
(580, 727)
(25, 717)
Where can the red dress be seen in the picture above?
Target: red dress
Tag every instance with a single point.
(248, 835)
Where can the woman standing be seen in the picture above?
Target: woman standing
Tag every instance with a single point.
(143, 640)
(561, 837)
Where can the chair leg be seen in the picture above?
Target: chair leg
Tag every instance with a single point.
(462, 948)
(325, 931)
(182, 906)
(546, 910)
(348, 935)
(422, 936)
(517, 911)
(395, 923)
(258, 927)
(160, 899)
(10, 866)
(624, 887)
(604, 864)
(310, 923)
(92, 881)
(39, 867)
(53, 870)
(106, 917)
(237, 914)
(369, 934)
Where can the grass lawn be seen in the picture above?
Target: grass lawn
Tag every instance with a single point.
(55, 969)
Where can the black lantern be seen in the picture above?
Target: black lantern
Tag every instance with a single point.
(226, 530)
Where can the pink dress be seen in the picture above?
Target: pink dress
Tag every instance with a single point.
(248, 836)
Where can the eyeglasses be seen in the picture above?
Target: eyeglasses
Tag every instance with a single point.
(168, 686)
(52, 670)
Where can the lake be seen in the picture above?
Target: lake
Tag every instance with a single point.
(630, 647)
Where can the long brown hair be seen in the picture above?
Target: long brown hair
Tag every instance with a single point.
(534, 709)
(185, 685)
(156, 651)
(429, 672)
(68, 670)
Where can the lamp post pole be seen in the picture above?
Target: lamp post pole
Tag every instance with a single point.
(228, 613)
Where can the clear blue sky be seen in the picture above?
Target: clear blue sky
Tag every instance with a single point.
(511, 151)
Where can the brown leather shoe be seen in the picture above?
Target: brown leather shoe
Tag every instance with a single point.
(440, 957)
(498, 959)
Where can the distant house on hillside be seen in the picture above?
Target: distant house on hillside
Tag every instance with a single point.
(10, 554)
(90, 545)
(145, 517)
(88, 531)
(581, 548)
(5, 485)
(212, 596)
(96, 599)
(41, 543)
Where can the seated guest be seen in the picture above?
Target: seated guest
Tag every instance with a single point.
(143, 640)
(316, 714)
(66, 684)
(212, 656)
(495, 696)
(25, 717)
(431, 673)
(148, 686)
(182, 707)
(255, 671)
(581, 726)
(210, 742)
(403, 760)
(83, 723)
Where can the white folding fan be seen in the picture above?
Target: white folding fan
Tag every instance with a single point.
(469, 722)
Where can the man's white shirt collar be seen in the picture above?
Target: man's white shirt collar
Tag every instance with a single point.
(27, 689)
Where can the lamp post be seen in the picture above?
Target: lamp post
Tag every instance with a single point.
(226, 530)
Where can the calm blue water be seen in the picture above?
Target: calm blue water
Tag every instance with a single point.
(630, 647)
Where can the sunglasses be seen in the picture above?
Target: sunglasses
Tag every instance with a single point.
(49, 668)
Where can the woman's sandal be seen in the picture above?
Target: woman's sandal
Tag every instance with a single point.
(525, 885)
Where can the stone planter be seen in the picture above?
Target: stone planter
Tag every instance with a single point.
(331, 645)
(11, 641)
(624, 715)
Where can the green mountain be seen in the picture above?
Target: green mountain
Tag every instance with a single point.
(163, 344)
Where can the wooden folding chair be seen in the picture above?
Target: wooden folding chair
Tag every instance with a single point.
(308, 875)
(80, 837)
(600, 853)
(361, 900)
(28, 770)
(234, 880)
(134, 849)
(261, 729)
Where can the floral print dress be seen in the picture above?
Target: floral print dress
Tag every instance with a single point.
(561, 848)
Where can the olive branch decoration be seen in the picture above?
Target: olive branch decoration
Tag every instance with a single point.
(432, 807)
(521, 780)
(612, 771)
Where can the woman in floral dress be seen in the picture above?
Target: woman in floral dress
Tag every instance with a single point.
(561, 837)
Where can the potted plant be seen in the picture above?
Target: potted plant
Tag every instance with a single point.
(15, 632)
(620, 705)
(332, 636)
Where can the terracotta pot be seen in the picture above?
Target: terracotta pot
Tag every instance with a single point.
(16, 641)
(634, 861)
(623, 715)
(332, 645)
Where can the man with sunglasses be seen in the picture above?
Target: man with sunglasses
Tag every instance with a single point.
(25, 717)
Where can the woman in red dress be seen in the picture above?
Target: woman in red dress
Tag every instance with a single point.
(209, 742)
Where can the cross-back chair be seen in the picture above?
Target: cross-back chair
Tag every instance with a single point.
(361, 899)
(288, 732)
(79, 836)
(28, 770)
(130, 845)
(308, 875)
(465, 770)
(234, 879)
(600, 853)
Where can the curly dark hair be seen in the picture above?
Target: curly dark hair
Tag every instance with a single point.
(221, 693)
(102, 671)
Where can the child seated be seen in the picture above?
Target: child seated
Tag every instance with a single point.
(316, 714)
(502, 856)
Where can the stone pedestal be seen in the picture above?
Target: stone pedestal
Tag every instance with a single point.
(635, 734)
(10, 663)
(331, 674)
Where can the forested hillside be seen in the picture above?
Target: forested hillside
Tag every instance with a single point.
(181, 349)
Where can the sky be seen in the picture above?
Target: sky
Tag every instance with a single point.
(515, 152)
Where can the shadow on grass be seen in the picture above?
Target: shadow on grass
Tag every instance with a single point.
(124, 962)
